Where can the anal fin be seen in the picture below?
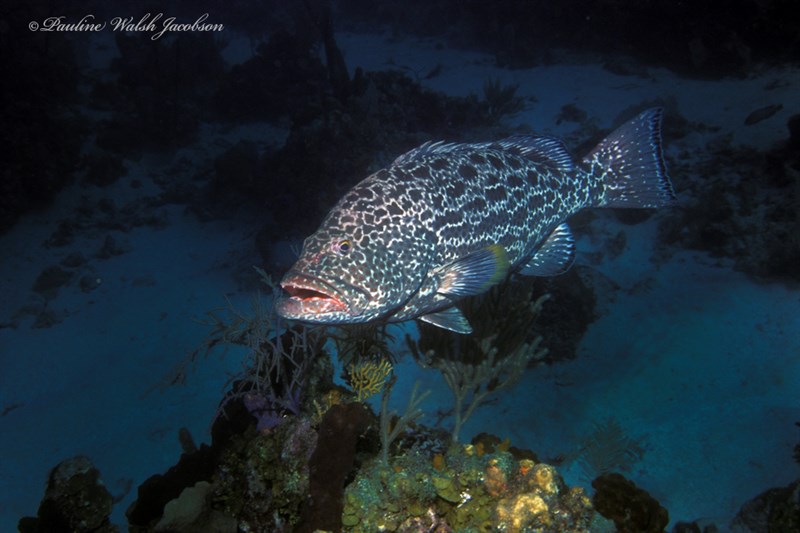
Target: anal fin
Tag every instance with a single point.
(451, 319)
(555, 256)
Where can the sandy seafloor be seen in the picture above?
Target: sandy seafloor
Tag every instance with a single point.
(697, 361)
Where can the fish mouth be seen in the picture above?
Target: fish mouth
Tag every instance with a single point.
(309, 297)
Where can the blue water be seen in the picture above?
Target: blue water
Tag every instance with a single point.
(693, 358)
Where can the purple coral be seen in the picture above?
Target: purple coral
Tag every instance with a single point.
(275, 376)
(268, 409)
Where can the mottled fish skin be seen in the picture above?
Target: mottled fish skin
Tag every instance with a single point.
(449, 220)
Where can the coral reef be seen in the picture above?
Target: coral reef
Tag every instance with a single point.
(75, 500)
(330, 463)
(463, 490)
(263, 479)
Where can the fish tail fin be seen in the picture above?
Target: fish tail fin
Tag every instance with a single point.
(629, 164)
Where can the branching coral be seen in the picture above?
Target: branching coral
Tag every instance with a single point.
(278, 361)
(368, 377)
(608, 448)
(391, 425)
(471, 384)
(501, 99)
(356, 342)
(494, 357)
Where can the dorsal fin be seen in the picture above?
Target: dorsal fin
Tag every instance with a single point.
(547, 151)
(543, 150)
(429, 148)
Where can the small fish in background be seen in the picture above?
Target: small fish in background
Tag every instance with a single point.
(762, 113)
(449, 220)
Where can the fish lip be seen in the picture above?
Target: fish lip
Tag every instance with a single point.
(312, 293)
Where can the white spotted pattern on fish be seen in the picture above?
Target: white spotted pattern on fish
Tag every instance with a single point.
(449, 220)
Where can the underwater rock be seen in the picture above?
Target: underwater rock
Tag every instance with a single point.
(773, 510)
(762, 113)
(331, 463)
(632, 509)
(111, 248)
(686, 527)
(63, 235)
(89, 283)
(74, 260)
(187, 441)
(156, 491)
(47, 318)
(694, 527)
(744, 208)
(190, 513)
(75, 500)
(51, 280)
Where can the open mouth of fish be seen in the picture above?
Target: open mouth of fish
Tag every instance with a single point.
(309, 295)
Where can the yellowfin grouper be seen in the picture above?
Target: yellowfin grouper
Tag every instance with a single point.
(445, 221)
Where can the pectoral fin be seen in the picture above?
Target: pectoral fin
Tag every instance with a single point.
(450, 318)
(555, 256)
(474, 273)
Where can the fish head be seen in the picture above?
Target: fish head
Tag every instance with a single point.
(344, 276)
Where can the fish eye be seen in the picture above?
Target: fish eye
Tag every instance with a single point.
(342, 247)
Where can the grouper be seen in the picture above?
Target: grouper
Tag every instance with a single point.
(449, 220)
